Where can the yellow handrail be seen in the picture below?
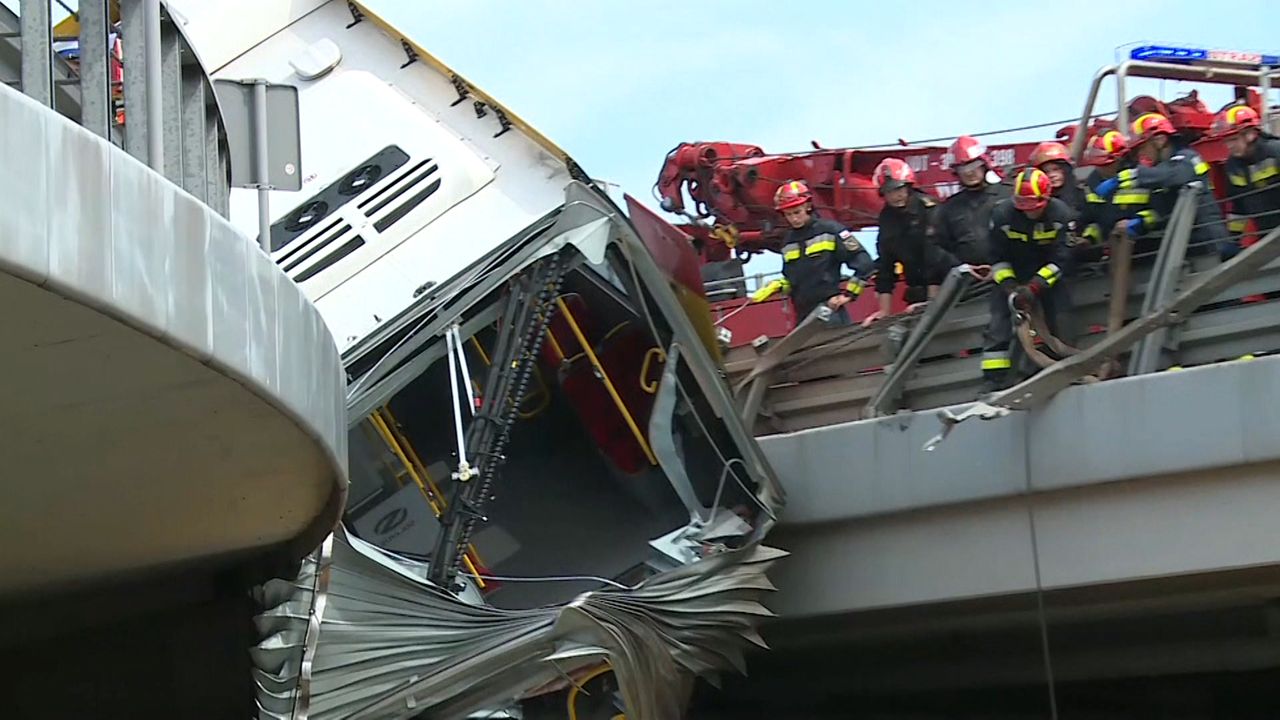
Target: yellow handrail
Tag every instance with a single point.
(555, 344)
(645, 385)
(572, 700)
(379, 422)
(537, 375)
(409, 450)
(380, 425)
(608, 384)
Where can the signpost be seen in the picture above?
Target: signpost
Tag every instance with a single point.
(264, 138)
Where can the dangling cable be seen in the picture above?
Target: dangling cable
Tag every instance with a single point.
(1040, 611)
(466, 370)
(464, 469)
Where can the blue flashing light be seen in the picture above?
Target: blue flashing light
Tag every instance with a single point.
(1165, 53)
(1187, 55)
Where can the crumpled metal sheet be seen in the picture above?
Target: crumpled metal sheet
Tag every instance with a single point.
(390, 645)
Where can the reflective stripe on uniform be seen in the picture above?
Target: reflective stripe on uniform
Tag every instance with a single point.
(1050, 273)
(996, 361)
(1001, 271)
(1093, 233)
(1238, 180)
(820, 247)
(1237, 225)
(1015, 235)
(1149, 217)
(1202, 167)
(1264, 170)
(1128, 178)
(853, 287)
(790, 252)
(1093, 197)
(1132, 196)
(1044, 236)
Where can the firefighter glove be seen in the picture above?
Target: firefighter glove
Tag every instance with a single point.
(1135, 227)
(1107, 188)
(768, 291)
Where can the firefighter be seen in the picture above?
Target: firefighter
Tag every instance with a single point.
(813, 252)
(964, 219)
(1126, 211)
(1055, 160)
(1171, 164)
(906, 238)
(1253, 169)
(1030, 248)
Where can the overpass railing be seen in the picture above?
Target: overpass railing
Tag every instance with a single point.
(125, 71)
(931, 359)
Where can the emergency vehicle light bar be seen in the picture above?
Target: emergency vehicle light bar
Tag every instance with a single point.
(1187, 55)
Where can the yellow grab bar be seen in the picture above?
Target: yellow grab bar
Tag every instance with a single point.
(645, 384)
(407, 446)
(389, 437)
(380, 425)
(537, 375)
(572, 700)
(608, 384)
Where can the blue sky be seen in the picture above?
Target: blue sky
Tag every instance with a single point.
(618, 84)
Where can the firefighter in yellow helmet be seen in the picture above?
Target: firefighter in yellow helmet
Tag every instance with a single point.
(1169, 165)
(1253, 168)
(1031, 249)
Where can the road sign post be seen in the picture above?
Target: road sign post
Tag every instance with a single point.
(264, 138)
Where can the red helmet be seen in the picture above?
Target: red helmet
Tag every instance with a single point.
(1106, 147)
(1234, 119)
(1047, 152)
(1031, 189)
(892, 174)
(966, 149)
(793, 193)
(1149, 125)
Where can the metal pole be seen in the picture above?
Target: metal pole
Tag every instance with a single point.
(1122, 104)
(1082, 129)
(155, 118)
(889, 393)
(1164, 278)
(262, 171)
(1265, 82)
(95, 90)
(36, 52)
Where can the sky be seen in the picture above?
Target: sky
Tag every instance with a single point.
(618, 84)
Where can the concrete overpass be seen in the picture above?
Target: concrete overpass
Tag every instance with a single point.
(1146, 477)
(1122, 529)
(173, 409)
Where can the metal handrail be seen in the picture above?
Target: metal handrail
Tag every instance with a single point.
(163, 102)
(1037, 390)
(1159, 71)
(890, 391)
(1164, 276)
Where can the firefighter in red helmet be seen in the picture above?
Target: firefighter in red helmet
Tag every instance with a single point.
(1055, 160)
(1030, 246)
(906, 238)
(1171, 165)
(1127, 210)
(964, 219)
(1253, 168)
(813, 253)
